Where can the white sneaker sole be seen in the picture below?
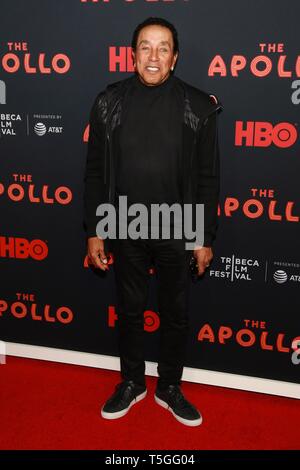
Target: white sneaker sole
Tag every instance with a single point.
(187, 422)
(121, 413)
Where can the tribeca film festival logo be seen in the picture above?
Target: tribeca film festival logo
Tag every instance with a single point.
(26, 306)
(263, 203)
(271, 59)
(184, 220)
(23, 188)
(236, 268)
(18, 58)
(13, 124)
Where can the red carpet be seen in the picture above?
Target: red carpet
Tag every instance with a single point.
(47, 405)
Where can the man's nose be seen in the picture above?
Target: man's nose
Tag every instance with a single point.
(154, 55)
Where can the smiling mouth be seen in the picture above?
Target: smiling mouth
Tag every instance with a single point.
(152, 69)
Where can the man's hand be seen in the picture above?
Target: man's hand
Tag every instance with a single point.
(203, 255)
(96, 253)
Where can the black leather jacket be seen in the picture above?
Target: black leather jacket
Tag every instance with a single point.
(201, 162)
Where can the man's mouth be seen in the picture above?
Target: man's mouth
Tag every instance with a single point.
(152, 69)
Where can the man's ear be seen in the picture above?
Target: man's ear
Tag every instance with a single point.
(133, 57)
(176, 58)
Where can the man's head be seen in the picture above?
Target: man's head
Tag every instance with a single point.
(155, 50)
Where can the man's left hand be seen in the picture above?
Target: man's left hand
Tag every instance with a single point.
(203, 255)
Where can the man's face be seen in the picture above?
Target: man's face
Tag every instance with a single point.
(154, 54)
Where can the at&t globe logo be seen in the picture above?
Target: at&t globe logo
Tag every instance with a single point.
(280, 276)
(40, 128)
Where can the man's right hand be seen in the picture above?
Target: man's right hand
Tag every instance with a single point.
(97, 254)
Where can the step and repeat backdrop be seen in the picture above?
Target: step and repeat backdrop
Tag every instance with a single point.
(54, 58)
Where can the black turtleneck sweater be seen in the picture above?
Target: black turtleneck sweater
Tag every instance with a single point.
(150, 144)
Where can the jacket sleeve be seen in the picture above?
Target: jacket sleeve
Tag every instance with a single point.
(94, 188)
(208, 177)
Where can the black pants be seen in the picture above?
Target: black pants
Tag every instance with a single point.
(132, 259)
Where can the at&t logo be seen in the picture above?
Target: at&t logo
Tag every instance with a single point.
(40, 129)
(280, 276)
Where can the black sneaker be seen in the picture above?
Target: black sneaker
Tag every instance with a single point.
(173, 400)
(126, 394)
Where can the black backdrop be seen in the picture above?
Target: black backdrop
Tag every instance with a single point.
(55, 58)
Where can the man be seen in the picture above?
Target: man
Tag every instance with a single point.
(152, 138)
